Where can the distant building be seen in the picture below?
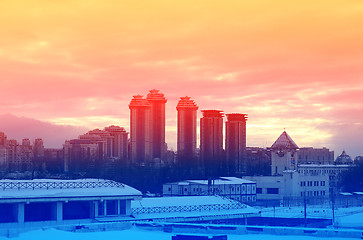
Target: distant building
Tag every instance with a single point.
(283, 154)
(140, 131)
(258, 161)
(53, 158)
(3, 152)
(344, 158)
(236, 142)
(26, 156)
(358, 159)
(211, 142)
(231, 187)
(187, 131)
(80, 155)
(3, 139)
(13, 155)
(157, 118)
(332, 171)
(309, 155)
(119, 142)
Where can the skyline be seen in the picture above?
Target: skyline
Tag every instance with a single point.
(286, 65)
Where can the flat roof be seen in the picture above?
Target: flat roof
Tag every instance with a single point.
(52, 188)
(180, 201)
(220, 181)
(324, 165)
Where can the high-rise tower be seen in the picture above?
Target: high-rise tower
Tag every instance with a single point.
(211, 141)
(140, 131)
(157, 102)
(187, 130)
(236, 142)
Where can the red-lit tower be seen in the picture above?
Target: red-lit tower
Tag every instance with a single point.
(211, 141)
(187, 130)
(140, 131)
(236, 142)
(157, 102)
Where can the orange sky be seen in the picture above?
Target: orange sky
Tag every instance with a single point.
(288, 64)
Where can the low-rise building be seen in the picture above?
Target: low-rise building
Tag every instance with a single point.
(190, 209)
(46, 202)
(231, 187)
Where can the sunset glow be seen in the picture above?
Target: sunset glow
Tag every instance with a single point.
(296, 65)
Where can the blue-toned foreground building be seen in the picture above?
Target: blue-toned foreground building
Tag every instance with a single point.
(46, 202)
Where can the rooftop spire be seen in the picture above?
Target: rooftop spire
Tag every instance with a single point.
(284, 142)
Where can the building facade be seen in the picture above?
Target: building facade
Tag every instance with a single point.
(140, 131)
(157, 101)
(211, 142)
(187, 131)
(283, 154)
(236, 142)
(119, 142)
(309, 155)
(231, 187)
(290, 187)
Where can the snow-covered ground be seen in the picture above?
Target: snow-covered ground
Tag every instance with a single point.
(136, 234)
(344, 217)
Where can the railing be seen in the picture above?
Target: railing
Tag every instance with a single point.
(192, 208)
(58, 185)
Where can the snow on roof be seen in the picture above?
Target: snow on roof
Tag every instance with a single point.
(325, 165)
(284, 142)
(180, 201)
(358, 193)
(51, 188)
(188, 206)
(345, 194)
(220, 181)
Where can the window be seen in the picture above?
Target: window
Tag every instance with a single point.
(169, 189)
(101, 208)
(111, 207)
(272, 191)
(322, 183)
(76, 210)
(258, 190)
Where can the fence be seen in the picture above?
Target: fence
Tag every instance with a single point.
(58, 185)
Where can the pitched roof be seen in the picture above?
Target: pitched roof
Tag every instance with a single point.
(284, 142)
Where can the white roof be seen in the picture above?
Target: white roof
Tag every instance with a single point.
(180, 201)
(51, 188)
(325, 165)
(188, 206)
(345, 194)
(220, 181)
